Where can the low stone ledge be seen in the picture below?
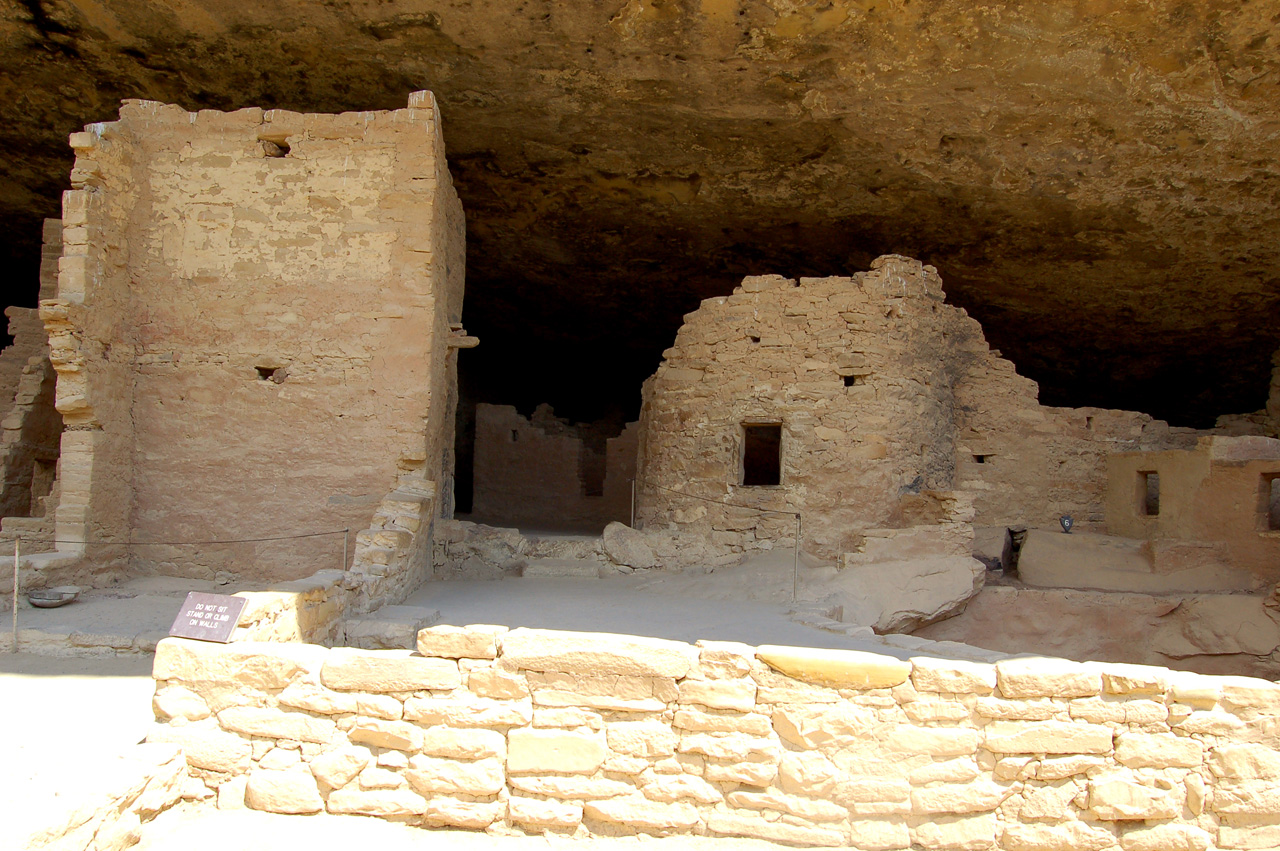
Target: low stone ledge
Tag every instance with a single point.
(836, 668)
(596, 653)
(347, 669)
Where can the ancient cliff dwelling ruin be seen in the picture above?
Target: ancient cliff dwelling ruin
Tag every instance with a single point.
(946, 330)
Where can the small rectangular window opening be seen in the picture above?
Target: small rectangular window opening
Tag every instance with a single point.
(1271, 502)
(761, 454)
(1148, 493)
(515, 436)
(754, 338)
(266, 373)
(854, 380)
(275, 148)
(980, 459)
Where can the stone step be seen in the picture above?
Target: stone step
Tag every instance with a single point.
(391, 627)
(565, 568)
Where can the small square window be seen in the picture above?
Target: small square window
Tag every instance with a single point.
(761, 454)
(980, 459)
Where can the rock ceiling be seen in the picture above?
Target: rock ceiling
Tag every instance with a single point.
(1097, 180)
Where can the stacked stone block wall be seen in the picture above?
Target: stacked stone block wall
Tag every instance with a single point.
(881, 390)
(598, 734)
(252, 330)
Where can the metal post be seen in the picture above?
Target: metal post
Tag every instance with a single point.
(346, 538)
(633, 503)
(17, 559)
(795, 567)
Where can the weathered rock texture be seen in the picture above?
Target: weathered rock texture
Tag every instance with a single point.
(544, 472)
(605, 734)
(881, 392)
(1095, 180)
(254, 337)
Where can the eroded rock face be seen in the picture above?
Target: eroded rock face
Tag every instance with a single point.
(1097, 182)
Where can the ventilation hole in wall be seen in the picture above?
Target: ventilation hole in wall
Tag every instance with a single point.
(1088, 423)
(761, 454)
(267, 373)
(854, 380)
(980, 459)
(753, 338)
(515, 435)
(1271, 502)
(275, 148)
(1148, 493)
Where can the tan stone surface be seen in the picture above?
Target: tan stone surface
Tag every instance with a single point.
(465, 642)
(589, 653)
(533, 751)
(283, 792)
(271, 666)
(836, 668)
(387, 671)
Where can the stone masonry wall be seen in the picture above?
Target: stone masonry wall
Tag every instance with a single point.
(881, 390)
(530, 472)
(252, 331)
(585, 733)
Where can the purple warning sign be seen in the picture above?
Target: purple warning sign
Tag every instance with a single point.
(208, 617)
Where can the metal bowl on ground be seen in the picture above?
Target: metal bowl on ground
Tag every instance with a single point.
(51, 598)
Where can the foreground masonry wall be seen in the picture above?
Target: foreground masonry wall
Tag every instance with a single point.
(253, 331)
(603, 734)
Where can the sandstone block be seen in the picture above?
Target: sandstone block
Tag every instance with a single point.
(567, 717)
(641, 738)
(1209, 723)
(1247, 797)
(479, 641)
(730, 746)
(380, 778)
(1040, 709)
(868, 789)
(1250, 693)
(1152, 750)
(382, 706)
(1070, 836)
(337, 768)
(928, 710)
(311, 696)
(619, 693)
(1041, 677)
(757, 827)
(1121, 799)
(935, 741)
(815, 726)
(836, 668)
(980, 797)
(432, 775)
(179, 702)
(1166, 837)
(1120, 678)
(1060, 768)
(349, 669)
(758, 770)
(626, 546)
(254, 665)
(697, 721)
(807, 773)
(642, 814)
(808, 809)
(535, 813)
(974, 833)
(231, 793)
(596, 653)
(397, 735)
(880, 834)
(478, 712)
(280, 759)
(570, 787)
(1056, 737)
(724, 660)
(463, 743)
(206, 748)
(672, 789)
(739, 695)
(552, 751)
(473, 815)
(1244, 762)
(283, 792)
(1249, 837)
(497, 682)
(376, 802)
